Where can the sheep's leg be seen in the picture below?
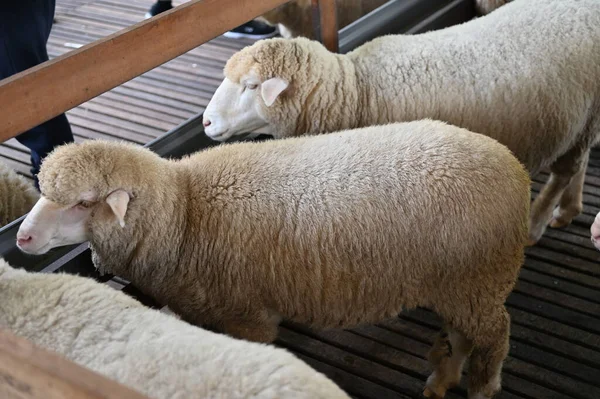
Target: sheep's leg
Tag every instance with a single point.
(447, 357)
(571, 202)
(490, 348)
(261, 328)
(563, 171)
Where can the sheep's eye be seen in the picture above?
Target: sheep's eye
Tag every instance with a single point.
(84, 204)
(251, 86)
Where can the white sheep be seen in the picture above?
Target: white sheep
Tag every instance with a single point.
(154, 353)
(527, 74)
(17, 196)
(328, 230)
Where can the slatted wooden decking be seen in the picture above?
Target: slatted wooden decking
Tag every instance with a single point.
(147, 106)
(555, 308)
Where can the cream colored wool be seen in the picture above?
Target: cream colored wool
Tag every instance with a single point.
(156, 354)
(328, 230)
(527, 74)
(17, 196)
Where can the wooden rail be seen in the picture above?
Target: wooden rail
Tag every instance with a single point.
(29, 372)
(325, 23)
(49, 89)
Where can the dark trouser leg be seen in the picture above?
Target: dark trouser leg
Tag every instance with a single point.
(42, 139)
(24, 32)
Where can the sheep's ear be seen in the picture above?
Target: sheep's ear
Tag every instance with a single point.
(118, 201)
(271, 89)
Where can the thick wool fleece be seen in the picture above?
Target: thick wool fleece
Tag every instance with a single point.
(17, 196)
(157, 354)
(328, 230)
(527, 74)
(297, 19)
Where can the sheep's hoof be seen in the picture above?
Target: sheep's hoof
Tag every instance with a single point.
(536, 231)
(428, 393)
(531, 242)
(557, 223)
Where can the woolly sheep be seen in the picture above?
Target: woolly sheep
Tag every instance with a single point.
(327, 230)
(528, 75)
(160, 356)
(17, 196)
(295, 17)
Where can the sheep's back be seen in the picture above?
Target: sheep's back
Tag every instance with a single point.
(334, 220)
(527, 75)
(107, 331)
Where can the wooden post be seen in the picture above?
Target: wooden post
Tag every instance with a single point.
(29, 372)
(325, 23)
(49, 89)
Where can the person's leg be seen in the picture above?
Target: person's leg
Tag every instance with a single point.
(24, 33)
(158, 7)
(252, 29)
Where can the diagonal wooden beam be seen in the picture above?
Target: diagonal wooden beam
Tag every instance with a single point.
(49, 89)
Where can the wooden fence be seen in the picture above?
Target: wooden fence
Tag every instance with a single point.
(49, 89)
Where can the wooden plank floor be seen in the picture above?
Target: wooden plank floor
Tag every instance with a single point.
(145, 107)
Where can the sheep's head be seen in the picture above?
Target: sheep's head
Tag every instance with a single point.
(82, 185)
(264, 88)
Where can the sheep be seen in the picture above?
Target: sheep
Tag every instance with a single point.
(295, 18)
(17, 196)
(527, 74)
(157, 354)
(327, 230)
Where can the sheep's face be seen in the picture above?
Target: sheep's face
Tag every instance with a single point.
(595, 232)
(237, 107)
(49, 224)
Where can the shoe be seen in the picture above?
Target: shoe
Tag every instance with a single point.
(157, 8)
(252, 30)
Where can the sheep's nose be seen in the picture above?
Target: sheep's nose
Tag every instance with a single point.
(206, 122)
(23, 240)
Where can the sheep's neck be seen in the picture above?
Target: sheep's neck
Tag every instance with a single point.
(397, 90)
(331, 101)
(142, 251)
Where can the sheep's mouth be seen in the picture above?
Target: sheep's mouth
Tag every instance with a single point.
(37, 251)
(220, 136)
